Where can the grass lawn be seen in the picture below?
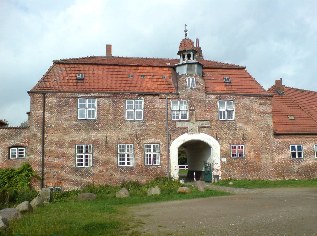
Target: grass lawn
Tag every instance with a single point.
(268, 183)
(106, 215)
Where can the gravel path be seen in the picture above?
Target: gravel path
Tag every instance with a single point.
(283, 211)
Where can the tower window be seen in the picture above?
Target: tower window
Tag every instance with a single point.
(191, 82)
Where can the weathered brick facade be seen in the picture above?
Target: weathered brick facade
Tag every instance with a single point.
(54, 127)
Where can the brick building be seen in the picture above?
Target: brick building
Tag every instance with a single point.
(108, 119)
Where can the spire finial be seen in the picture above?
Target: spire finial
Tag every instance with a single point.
(185, 31)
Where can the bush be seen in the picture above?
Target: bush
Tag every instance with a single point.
(15, 185)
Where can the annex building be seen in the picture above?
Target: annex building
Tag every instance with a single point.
(109, 119)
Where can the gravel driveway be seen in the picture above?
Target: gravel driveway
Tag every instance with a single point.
(282, 211)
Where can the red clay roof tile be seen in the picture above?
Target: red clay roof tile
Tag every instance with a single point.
(294, 103)
(133, 74)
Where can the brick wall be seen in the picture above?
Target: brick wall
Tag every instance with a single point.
(12, 137)
(266, 156)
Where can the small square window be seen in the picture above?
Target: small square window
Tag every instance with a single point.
(179, 110)
(315, 150)
(152, 154)
(17, 153)
(191, 82)
(297, 151)
(125, 155)
(226, 110)
(87, 108)
(237, 151)
(84, 155)
(134, 109)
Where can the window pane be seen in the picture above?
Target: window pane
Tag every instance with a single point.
(229, 105)
(130, 104)
(139, 115)
(130, 115)
(299, 147)
(183, 105)
(293, 154)
(300, 154)
(81, 103)
(138, 104)
(156, 148)
(21, 152)
(293, 148)
(222, 105)
(175, 115)
(222, 115)
(80, 149)
(184, 115)
(13, 152)
(230, 115)
(91, 103)
(81, 113)
(175, 105)
(91, 114)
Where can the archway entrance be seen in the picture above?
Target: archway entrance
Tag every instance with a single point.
(199, 148)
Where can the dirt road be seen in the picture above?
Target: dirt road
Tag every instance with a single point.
(283, 211)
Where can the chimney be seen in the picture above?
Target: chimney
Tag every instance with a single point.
(279, 88)
(108, 50)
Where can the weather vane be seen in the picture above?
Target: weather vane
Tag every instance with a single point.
(185, 31)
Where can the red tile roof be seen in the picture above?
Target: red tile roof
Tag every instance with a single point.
(133, 74)
(240, 82)
(294, 110)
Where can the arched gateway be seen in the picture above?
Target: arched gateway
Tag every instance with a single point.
(200, 147)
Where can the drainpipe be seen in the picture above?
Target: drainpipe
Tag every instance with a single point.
(167, 141)
(43, 141)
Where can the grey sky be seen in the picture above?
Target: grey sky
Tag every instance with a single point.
(272, 38)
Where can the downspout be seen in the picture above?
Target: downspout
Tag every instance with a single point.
(43, 141)
(167, 141)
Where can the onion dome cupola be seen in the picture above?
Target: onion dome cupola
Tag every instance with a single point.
(188, 55)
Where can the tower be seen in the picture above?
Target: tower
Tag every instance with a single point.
(188, 53)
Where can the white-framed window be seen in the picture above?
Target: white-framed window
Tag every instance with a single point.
(225, 110)
(296, 151)
(17, 152)
(152, 154)
(315, 150)
(84, 155)
(125, 155)
(134, 109)
(179, 110)
(87, 108)
(237, 151)
(191, 82)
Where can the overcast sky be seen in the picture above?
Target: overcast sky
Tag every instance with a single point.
(272, 38)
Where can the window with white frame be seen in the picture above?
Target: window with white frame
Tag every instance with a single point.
(134, 109)
(315, 149)
(17, 153)
(125, 155)
(225, 110)
(191, 82)
(179, 110)
(237, 151)
(152, 154)
(84, 155)
(87, 108)
(296, 151)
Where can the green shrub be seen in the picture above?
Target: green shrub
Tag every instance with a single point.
(15, 185)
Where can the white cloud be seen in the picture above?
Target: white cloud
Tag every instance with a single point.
(272, 38)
